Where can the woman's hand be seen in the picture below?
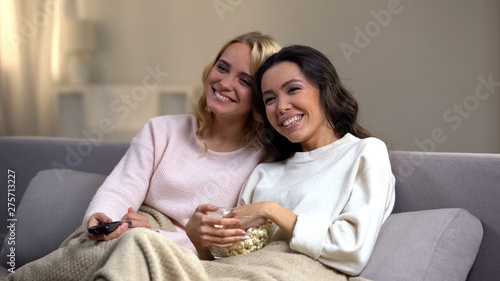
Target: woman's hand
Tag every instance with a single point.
(100, 218)
(202, 232)
(253, 214)
(137, 220)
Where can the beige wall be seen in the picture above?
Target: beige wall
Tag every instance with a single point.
(418, 68)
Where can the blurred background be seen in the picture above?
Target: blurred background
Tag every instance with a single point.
(426, 73)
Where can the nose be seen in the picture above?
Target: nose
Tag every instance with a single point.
(226, 83)
(283, 105)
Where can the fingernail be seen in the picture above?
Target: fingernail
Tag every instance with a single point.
(244, 238)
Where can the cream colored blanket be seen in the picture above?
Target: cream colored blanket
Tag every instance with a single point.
(142, 254)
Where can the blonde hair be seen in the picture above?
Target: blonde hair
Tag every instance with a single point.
(262, 46)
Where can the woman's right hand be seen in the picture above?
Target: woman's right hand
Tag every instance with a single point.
(201, 231)
(99, 218)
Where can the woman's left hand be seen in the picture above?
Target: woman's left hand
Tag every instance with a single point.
(137, 220)
(251, 215)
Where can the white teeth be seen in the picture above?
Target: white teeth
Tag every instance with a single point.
(221, 97)
(291, 121)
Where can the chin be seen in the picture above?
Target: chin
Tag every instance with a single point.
(292, 138)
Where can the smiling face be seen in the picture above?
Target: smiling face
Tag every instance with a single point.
(293, 107)
(229, 85)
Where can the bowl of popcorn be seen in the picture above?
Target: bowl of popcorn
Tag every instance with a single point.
(258, 237)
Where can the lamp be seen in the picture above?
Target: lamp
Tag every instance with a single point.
(79, 41)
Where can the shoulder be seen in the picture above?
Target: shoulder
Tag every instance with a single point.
(372, 143)
(371, 148)
(267, 168)
(372, 151)
(263, 172)
(355, 145)
(180, 121)
(166, 126)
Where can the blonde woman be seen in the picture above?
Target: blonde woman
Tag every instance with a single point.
(177, 163)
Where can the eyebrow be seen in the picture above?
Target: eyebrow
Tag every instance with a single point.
(283, 85)
(241, 73)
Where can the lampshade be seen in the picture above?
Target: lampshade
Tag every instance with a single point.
(78, 36)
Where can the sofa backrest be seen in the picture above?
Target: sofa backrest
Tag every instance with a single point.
(423, 181)
(454, 180)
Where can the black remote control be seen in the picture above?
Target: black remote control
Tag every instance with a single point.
(107, 228)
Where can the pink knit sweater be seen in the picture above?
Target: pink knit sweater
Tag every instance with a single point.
(166, 168)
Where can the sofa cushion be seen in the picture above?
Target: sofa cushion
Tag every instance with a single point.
(50, 210)
(439, 244)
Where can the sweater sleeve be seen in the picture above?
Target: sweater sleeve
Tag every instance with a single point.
(347, 243)
(128, 183)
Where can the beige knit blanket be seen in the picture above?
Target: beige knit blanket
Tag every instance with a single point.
(142, 254)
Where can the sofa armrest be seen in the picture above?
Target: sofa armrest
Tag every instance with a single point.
(439, 244)
(26, 156)
(471, 181)
(51, 209)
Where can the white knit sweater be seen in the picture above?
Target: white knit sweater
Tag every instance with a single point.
(341, 192)
(166, 167)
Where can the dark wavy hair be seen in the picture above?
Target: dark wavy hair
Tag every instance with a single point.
(338, 104)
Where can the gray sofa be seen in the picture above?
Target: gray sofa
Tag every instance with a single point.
(445, 224)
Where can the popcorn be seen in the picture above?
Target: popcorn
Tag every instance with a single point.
(257, 238)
